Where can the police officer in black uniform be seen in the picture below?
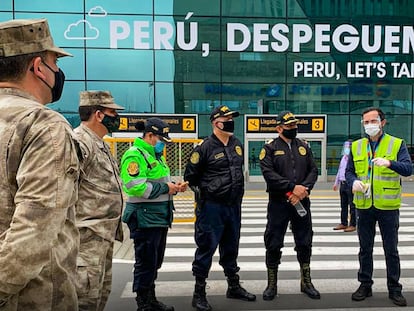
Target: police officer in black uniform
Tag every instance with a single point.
(215, 174)
(290, 173)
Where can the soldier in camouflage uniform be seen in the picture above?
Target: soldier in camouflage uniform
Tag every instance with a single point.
(39, 171)
(98, 210)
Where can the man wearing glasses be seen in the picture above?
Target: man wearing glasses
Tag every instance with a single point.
(374, 168)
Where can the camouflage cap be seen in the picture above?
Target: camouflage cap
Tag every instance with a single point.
(98, 98)
(25, 36)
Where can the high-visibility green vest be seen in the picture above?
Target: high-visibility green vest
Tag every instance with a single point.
(140, 169)
(385, 183)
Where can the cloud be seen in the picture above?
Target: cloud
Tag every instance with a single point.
(97, 11)
(75, 31)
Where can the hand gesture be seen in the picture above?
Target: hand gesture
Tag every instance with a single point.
(381, 162)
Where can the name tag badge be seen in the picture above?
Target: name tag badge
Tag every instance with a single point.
(219, 155)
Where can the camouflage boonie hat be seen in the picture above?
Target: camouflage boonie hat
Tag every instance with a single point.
(98, 98)
(25, 36)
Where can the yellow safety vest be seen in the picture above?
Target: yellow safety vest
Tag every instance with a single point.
(385, 183)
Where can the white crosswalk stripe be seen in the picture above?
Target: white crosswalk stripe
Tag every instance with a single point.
(333, 252)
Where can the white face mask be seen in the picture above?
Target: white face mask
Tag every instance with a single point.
(372, 129)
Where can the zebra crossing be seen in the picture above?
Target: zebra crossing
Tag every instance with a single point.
(334, 255)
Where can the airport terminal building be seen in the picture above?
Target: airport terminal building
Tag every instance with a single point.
(325, 58)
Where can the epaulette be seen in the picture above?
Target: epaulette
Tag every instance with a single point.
(270, 141)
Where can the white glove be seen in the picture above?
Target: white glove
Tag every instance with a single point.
(381, 162)
(358, 186)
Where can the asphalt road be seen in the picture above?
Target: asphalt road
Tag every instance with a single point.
(334, 264)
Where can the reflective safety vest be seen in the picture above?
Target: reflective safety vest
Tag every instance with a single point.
(385, 183)
(147, 170)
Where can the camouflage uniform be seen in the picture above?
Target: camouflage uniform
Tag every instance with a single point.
(39, 171)
(98, 214)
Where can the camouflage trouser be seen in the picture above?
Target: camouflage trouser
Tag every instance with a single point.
(94, 277)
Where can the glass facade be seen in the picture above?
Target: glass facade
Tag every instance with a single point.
(333, 57)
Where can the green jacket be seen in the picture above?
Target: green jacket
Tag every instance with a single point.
(385, 183)
(145, 175)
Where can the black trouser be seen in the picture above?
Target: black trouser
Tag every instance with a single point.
(347, 197)
(149, 246)
(388, 223)
(279, 213)
(217, 225)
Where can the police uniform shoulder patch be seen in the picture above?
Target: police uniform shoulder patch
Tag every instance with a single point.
(133, 169)
(239, 150)
(262, 154)
(195, 157)
(302, 150)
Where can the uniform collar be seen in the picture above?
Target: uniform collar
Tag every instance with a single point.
(17, 92)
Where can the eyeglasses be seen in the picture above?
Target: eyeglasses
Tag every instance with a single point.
(372, 121)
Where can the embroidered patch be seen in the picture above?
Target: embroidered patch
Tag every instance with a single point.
(133, 169)
(195, 158)
(239, 150)
(219, 155)
(279, 152)
(262, 154)
(302, 150)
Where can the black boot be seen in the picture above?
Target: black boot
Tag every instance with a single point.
(199, 296)
(306, 285)
(143, 301)
(235, 291)
(271, 290)
(157, 305)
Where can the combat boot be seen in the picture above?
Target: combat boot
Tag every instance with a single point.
(157, 305)
(143, 301)
(199, 296)
(271, 290)
(235, 291)
(306, 285)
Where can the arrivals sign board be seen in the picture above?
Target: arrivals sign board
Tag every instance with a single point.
(179, 123)
(266, 123)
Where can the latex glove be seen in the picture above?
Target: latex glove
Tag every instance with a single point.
(358, 186)
(381, 162)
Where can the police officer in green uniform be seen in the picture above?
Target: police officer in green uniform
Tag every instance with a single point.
(149, 208)
(374, 168)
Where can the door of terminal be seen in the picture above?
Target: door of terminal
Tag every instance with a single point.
(252, 151)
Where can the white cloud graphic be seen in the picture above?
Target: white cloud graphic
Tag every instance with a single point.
(75, 31)
(97, 11)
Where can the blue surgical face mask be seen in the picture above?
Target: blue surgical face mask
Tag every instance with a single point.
(346, 151)
(159, 146)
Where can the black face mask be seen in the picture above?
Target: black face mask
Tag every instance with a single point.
(228, 126)
(57, 89)
(111, 123)
(290, 134)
